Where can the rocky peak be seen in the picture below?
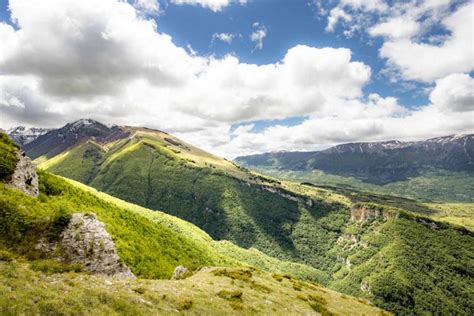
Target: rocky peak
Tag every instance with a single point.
(25, 177)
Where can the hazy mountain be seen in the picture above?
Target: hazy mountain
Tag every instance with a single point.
(22, 135)
(377, 162)
(376, 247)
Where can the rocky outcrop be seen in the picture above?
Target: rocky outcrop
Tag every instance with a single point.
(180, 273)
(287, 195)
(368, 212)
(25, 177)
(86, 241)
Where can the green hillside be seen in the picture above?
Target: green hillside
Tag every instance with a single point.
(374, 258)
(26, 289)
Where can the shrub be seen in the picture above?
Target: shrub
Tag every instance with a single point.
(49, 266)
(8, 157)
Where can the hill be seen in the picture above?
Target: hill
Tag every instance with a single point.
(366, 255)
(439, 168)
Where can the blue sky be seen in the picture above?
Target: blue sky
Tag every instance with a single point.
(288, 23)
(410, 68)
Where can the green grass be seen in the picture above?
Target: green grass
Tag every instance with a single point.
(8, 157)
(27, 291)
(461, 214)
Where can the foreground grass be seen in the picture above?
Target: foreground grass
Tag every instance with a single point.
(210, 291)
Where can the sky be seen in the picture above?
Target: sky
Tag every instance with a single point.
(239, 77)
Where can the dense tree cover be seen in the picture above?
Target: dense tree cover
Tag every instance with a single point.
(379, 256)
(8, 157)
(410, 268)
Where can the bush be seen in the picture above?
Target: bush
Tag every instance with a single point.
(8, 157)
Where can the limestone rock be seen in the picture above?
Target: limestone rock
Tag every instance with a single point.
(85, 241)
(25, 177)
(180, 273)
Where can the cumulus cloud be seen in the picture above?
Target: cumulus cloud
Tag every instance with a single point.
(214, 5)
(427, 62)
(258, 35)
(395, 28)
(90, 48)
(454, 93)
(411, 50)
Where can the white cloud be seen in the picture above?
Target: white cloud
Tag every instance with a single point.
(427, 62)
(147, 6)
(411, 50)
(258, 35)
(335, 15)
(83, 58)
(454, 93)
(214, 5)
(395, 28)
(223, 37)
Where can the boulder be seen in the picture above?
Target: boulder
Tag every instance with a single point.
(180, 273)
(86, 241)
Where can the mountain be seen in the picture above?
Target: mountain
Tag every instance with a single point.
(439, 169)
(77, 251)
(366, 245)
(378, 162)
(57, 140)
(22, 135)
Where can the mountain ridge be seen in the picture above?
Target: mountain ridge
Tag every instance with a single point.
(376, 162)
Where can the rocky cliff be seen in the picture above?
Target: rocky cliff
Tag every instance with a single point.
(25, 177)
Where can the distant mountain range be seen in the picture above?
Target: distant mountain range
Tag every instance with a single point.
(376, 162)
(23, 135)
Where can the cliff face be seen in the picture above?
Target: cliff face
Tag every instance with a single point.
(25, 177)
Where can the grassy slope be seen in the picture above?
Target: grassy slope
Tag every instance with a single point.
(174, 242)
(25, 289)
(150, 172)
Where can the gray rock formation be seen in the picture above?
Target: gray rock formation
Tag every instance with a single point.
(180, 273)
(25, 177)
(85, 241)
